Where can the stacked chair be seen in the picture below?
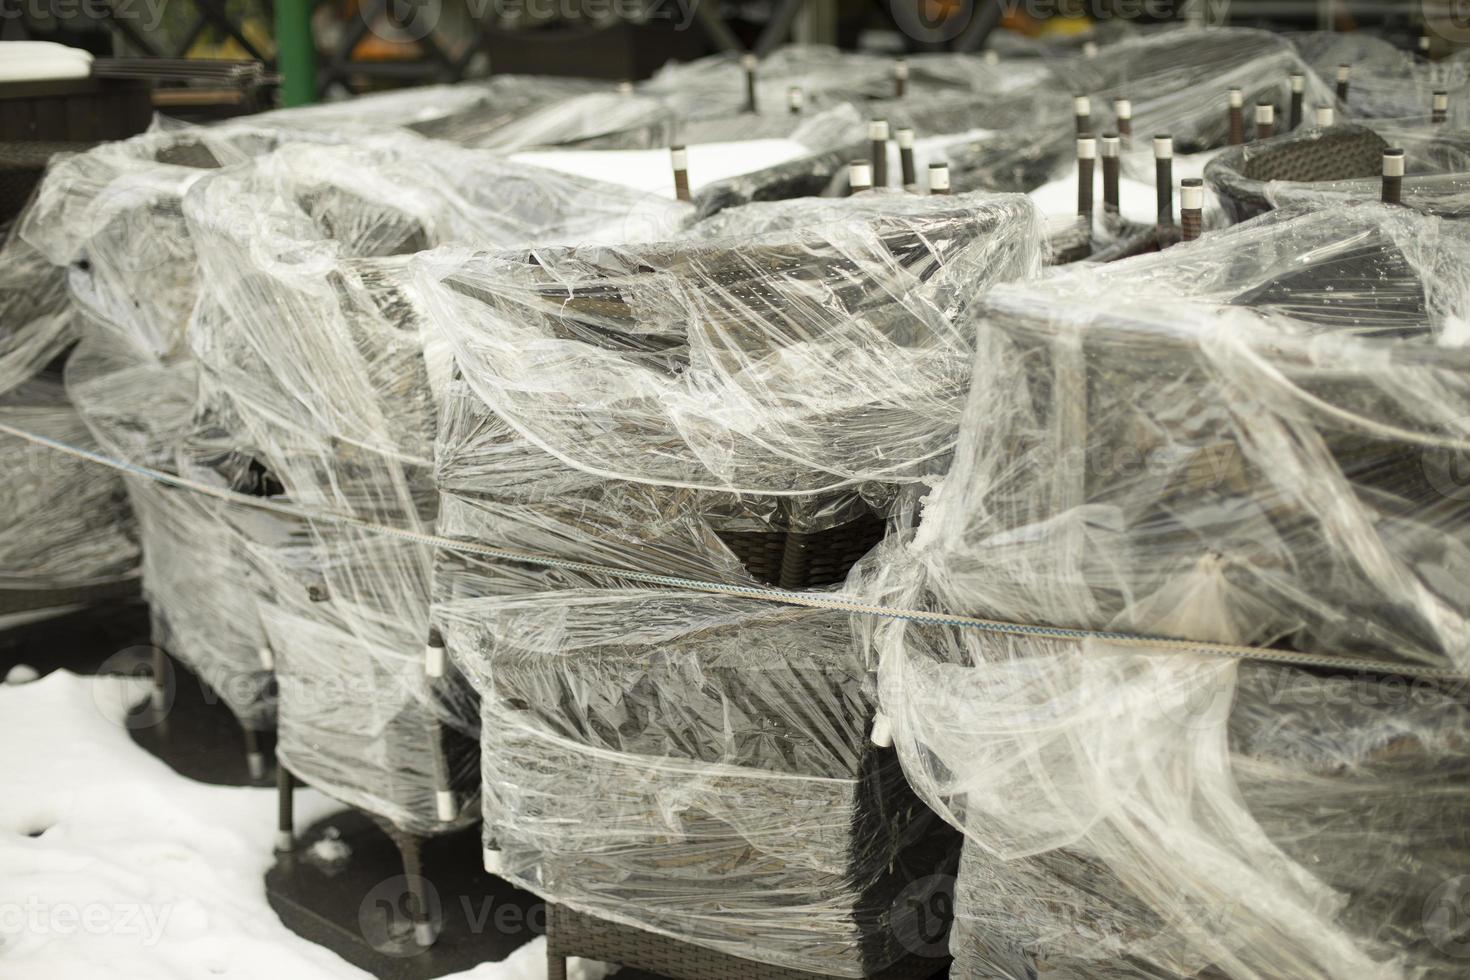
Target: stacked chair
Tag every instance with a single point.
(111, 218)
(1246, 440)
(313, 330)
(686, 778)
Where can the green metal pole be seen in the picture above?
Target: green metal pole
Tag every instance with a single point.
(295, 52)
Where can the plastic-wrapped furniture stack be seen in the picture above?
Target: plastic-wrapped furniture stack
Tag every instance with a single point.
(112, 219)
(686, 777)
(1247, 440)
(312, 329)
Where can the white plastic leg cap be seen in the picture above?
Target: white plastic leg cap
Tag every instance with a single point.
(285, 841)
(494, 861)
(255, 762)
(882, 732)
(444, 801)
(423, 933)
(434, 661)
(267, 659)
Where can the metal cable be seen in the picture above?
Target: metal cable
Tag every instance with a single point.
(815, 600)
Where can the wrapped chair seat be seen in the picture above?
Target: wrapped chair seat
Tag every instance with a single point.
(311, 325)
(701, 774)
(1341, 164)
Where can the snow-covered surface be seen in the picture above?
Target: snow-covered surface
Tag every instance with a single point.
(113, 866)
(651, 170)
(32, 61)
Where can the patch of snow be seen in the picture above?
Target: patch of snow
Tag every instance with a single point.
(114, 866)
(651, 170)
(330, 850)
(21, 674)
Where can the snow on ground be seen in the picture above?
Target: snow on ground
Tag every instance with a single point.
(114, 867)
(652, 171)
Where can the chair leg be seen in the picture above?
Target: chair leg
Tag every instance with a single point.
(556, 963)
(410, 846)
(285, 823)
(160, 679)
(254, 758)
(446, 807)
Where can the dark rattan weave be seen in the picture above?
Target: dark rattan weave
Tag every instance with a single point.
(571, 933)
(799, 560)
(27, 600)
(1340, 153)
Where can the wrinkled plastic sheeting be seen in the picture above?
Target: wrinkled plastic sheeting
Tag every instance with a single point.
(112, 218)
(320, 235)
(62, 522)
(1248, 439)
(312, 327)
(359, 715)
(1385, 82)
(35, 322)
(1177, 82)
(697, 766)
(784, 363)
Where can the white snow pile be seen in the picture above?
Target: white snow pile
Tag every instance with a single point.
(114, 866)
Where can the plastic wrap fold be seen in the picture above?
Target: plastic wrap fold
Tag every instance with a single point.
(1250, 439)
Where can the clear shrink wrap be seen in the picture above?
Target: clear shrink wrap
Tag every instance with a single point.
(35, 323)
(1250, 439)
(698, 766)
(310, 324)
(1176, 82)
(597, 120)
(746, 405)
(1384, 81)
(109, 223)
(817, 355)
(202, 588)
(111, 217)
(63, 524)
(1179, 81)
